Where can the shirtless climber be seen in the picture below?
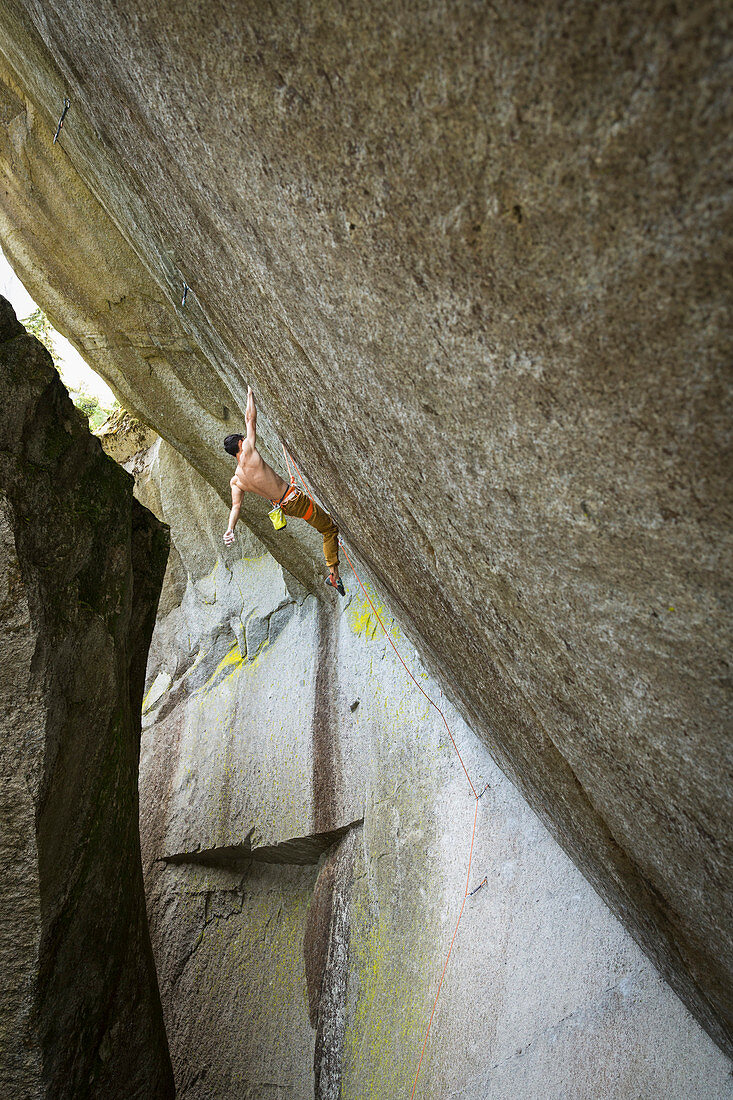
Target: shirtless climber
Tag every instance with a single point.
(253, 475)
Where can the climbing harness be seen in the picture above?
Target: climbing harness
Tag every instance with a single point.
(276, 515)
(67, 104)
(476, 796)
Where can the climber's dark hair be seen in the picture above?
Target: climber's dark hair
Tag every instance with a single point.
(231, 444)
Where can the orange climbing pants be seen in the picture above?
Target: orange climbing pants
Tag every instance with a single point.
(297, 504)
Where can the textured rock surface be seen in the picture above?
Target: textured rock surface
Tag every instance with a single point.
(80, 572)
(319, 980)
(471, 258)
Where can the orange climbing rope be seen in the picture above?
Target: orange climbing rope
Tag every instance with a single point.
(290, 472)
(468, 777)
(306, 490)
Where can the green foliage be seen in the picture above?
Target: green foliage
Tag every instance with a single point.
(38, 325)
(95, 412)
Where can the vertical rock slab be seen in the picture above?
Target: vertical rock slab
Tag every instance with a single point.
(319, 981)
(80, 576)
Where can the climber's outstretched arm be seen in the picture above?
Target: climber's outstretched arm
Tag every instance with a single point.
(251, 417)
(237, 495)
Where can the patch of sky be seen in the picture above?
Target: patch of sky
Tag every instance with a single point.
(88, 391)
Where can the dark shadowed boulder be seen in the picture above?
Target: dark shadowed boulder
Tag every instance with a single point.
(81, 566)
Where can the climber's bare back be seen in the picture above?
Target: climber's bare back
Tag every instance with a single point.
(253, 475)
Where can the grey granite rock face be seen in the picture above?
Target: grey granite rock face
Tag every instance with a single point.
(471, 258)
(256, 633)
(81, 570)
(305, 860)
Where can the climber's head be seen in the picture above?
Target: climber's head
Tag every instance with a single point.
(231, 444)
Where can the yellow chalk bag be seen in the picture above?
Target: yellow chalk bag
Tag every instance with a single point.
(278, 519)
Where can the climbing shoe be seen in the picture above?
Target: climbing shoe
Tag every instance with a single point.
(338, 585)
